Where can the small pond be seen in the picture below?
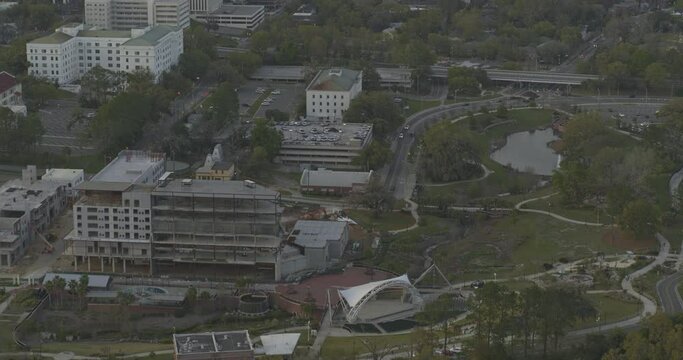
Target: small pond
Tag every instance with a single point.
(528, 151)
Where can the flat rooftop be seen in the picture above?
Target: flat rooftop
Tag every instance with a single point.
(239, 10)
(324, 133)
(129, 166)
(214, 342)
(62, 174)
(335, 80)
(316, 233)
(269, 72)
(330, 178)
(234, 187)
(17, 196)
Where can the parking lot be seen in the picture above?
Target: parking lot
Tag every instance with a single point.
(55, 117)
(290, 96)
(635, 113)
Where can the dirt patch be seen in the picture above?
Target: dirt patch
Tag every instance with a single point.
(627, 241)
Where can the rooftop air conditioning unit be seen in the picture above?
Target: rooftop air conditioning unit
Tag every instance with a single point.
(249, 184)
(187, 182)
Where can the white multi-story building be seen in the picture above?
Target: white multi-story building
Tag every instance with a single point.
(199, 7)
(67, 54)
(247, 17)
(330, 93)
(133, 14)
(112, 220)
(70, 177)
(27, 208)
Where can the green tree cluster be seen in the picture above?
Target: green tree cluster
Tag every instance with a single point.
(507, 320)
(466, 81)
(376, 108)
(602, 168)
(449, 153)
(661, 338)
(19, 133)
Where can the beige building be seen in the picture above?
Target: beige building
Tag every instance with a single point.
(134, 14)
(330, 93)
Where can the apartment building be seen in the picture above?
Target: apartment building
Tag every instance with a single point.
(227, 223)
(327, 144)
(73, 49)
(330, 93)
(135, 14)
(246, 17)
(27, 208)
(112, 218)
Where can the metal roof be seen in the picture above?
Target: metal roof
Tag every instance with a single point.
(7, 81)
(316, 233)
(329, 178)
(151, 37)
(57, 37)
(94, 281)
(280, 344)
(104, 186)
(335, 80)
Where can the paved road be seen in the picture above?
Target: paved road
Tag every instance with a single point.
(674, 184)
(667, 290)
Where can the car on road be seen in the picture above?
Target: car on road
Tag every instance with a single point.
(400, 136)
(406, 127)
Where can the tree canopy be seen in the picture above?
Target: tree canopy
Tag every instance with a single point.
(450, 153)
(376, 108)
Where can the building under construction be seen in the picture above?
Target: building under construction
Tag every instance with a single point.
(231, 225)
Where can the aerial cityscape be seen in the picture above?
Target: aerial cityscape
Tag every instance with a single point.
(341, 179)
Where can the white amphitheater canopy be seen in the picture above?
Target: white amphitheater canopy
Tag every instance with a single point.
(357, 296)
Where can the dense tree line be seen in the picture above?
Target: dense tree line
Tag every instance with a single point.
(604, 168)
(660, 338)
(449, 153)
(510, 323)
(376, 108)
(17, 132)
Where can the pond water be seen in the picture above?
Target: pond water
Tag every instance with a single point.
(529, 152)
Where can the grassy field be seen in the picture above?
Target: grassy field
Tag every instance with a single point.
(416, 106)
(403, 250)
(611, 307)
(389, 221)
(554, 204)
(6, 340)
(519, 245)
(647, 284)
(94, 348)
(339, 347)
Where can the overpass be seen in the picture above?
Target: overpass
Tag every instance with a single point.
(401, 76)
(536, 77)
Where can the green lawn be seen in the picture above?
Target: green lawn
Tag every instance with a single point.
(519, 245)
(554, 204)
(518, 285)
(6, 341)
(647, 284)
(95, 348)
(416, 106)
(610, 307)
(403, 250)
(674, 233)
(340, 347)
(393, 220)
